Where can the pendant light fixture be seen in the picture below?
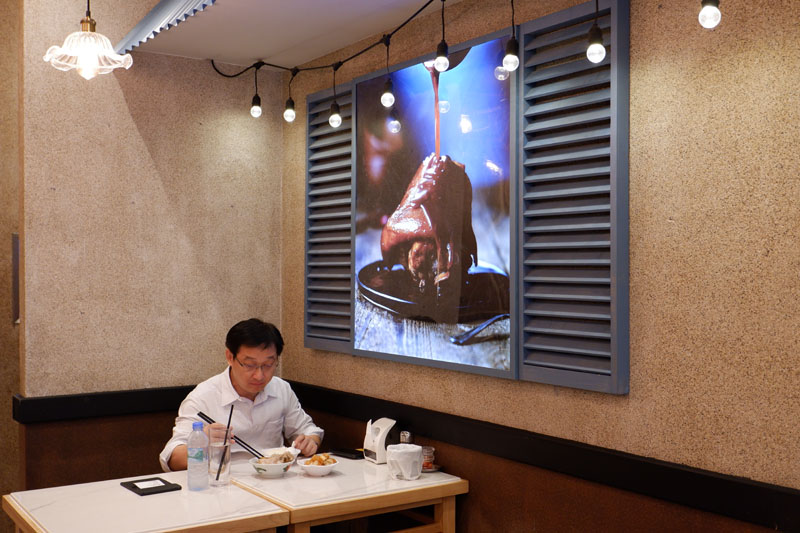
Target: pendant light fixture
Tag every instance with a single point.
(596, 52)
(255, 106)
(709, 14)
(288, 111)
(441, 63)
(511, 60)
(387, 98)
(87, 51)
(335, 119)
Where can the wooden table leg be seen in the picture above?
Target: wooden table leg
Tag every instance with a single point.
(299, 528)
(444, 514)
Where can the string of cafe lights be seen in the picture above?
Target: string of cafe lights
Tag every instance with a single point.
(709, 17)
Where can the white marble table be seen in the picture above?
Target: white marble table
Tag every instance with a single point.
(107, 506)
(356, 488)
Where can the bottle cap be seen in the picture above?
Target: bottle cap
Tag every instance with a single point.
(197, 425)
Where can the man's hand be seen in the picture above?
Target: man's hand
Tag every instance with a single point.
(307, 444)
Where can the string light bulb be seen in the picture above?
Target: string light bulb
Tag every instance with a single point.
(288, 112)
(387, 98)
(441, 63)
(596, 52)
(335, 120)
(511, 59)
(709, 15)
(255, 107)
(87, 51)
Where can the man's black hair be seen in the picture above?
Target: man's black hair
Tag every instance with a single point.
(254, 333)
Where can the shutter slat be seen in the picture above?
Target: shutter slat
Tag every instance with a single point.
(600, 77)
(328, 227)
(569, 333)
(330, 177)
(329, 203)
(565, 104)
(542, 176)
(602, 208)
(575, 119)
(327, 216)
(564, 69)
(337, 164)
(334, 152)
(560, 245)
(572, 192)
(582, 281)
(345, 137)
(330, 190)
(567, 227)
(594, 134)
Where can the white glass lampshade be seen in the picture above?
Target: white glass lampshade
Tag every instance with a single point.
(596, 53)
(255, 111)
(335, 120)
(387, 99)
(510, 62)
(289, 115)
(709, 16)
(441, 63)
(89, 52)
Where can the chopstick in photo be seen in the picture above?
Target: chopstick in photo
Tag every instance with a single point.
(236, 439)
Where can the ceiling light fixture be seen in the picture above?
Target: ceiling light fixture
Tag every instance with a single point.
(709, 14)
(511, 60)
(255, 106)
(441, 63)
(288, 111)
(387, 98)
(87, 51)
(596, 52)
(335, 120)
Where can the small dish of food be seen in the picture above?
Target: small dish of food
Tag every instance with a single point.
(276, 461)
(319, 465)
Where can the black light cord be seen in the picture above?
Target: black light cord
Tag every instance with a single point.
(256, 81)
(596, 10)
(443, 20)
(88, 10)
(386, 40)
(295, 70)
(513, 25)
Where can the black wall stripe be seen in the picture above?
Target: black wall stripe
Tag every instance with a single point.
(740, 498)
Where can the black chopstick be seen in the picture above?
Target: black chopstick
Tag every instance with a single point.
(225, 443)
(236, 439)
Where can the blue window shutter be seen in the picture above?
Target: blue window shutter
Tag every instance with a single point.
(573, 226)
(328, 289)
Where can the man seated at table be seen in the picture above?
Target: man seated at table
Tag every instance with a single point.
(265, 407)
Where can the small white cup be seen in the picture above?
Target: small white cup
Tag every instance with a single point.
(404, 460)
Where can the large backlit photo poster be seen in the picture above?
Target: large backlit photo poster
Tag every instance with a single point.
(432, 246)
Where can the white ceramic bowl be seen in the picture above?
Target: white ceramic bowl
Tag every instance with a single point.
(277, 469)
(315, 470)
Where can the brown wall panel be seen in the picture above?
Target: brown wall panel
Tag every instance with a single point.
(509, 496)
(94, 449)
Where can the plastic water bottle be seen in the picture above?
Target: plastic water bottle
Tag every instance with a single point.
(197, 458)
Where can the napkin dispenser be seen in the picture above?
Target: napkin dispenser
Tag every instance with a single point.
(377, 438)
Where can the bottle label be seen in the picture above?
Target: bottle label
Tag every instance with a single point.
(195, 455)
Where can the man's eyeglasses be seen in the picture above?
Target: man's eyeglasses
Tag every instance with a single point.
(252, 368)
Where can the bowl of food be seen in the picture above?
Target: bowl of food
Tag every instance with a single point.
(318, 465)
(275, 462)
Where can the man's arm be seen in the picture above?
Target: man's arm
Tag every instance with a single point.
(178, 459)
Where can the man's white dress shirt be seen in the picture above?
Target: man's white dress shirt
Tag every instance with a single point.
(262, 423)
